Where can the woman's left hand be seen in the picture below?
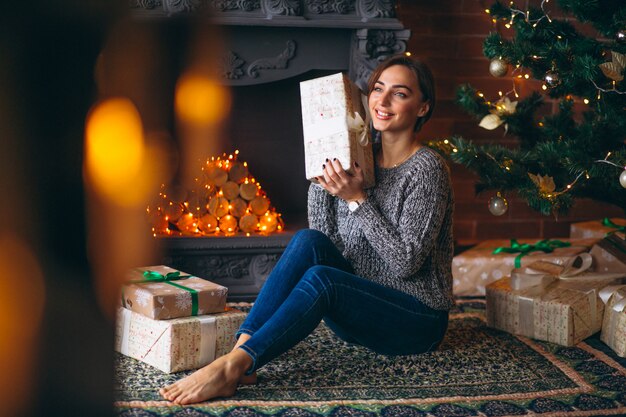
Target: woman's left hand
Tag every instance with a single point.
(340, 183)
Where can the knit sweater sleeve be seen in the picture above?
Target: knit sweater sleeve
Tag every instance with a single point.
(406, 245)
(322, 213)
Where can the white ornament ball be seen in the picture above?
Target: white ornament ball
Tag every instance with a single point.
(498, 67)
(622, 178)
(498, 205)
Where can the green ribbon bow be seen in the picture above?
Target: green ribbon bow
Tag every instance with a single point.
(169, 278)
(606, 222)
(524, 249)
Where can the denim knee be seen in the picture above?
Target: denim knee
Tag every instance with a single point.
(310, 235)
(319, 278)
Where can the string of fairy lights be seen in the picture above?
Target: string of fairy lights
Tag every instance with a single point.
(499, 68)
(225, 200)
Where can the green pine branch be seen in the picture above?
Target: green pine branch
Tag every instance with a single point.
(566, 147)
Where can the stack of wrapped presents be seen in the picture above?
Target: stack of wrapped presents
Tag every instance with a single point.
(561, 291)
(174, 321)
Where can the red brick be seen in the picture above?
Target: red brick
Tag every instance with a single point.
(418, 23)
(476, 6)
(445, 87)
(507, 230)
(450, 66)
(461, 24)
(471, 47)
(432, 46)
(447, 108)
(439, 6)
(555, 229)
(464, 230)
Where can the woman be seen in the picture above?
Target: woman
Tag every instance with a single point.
(376, 263)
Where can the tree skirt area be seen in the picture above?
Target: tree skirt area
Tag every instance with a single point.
(477, 371)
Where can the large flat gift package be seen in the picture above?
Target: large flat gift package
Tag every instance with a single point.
(161, 292)
(479, 266)
(596, 228)
(335, 125)
(177, 344)
(614, 323)
(560, 311)
(609, 254)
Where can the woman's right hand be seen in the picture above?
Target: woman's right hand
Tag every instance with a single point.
(342, 184)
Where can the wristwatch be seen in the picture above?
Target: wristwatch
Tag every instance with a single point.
(353, 205)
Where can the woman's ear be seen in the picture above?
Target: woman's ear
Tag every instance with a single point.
(423, 109)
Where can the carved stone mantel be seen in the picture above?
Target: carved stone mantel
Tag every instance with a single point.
(240, 263)
(271, 40)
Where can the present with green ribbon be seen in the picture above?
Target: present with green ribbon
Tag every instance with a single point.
(597, 228)
(161, 293)
(491, 260)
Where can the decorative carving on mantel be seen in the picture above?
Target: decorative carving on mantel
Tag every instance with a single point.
(330, 6)
(231, 66)
(145, 4)
(181, 6)
(373, 47)
(245, 5)
(281, 7)
(372, 9)
(279, 62)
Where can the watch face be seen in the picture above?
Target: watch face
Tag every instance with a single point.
(353, 205)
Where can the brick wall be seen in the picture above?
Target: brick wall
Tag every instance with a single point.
(448, 35)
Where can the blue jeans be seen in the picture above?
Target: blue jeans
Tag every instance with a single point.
(313, 281)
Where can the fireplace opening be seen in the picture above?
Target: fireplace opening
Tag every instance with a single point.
(265, 125)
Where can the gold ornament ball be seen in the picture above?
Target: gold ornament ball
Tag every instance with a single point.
(622, 178)
(498, 67)
(498, 205)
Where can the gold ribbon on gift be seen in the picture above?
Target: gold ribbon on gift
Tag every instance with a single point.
(535, 286)
(359, 126)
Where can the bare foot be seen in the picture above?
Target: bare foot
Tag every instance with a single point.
(245, 379)
(217, 379)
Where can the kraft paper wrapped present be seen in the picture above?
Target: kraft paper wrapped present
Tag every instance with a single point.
(161, 292)
(335, 123)
(609, 254)
(479, 266)
(177, 344)
(614, 323)
(562, 312)
(596, 228)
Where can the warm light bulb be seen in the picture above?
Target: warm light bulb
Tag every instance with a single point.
(201, 100)
(115, 152)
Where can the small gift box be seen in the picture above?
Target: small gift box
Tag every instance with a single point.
(177, 344)
(609, 254)
(491, 260)
(614, 323)
(161, 292)
(558, 311)
(335, 124)
(596, 228)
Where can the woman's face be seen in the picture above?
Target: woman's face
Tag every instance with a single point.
(396, 101)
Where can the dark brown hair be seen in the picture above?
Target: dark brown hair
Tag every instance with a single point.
(425, 81)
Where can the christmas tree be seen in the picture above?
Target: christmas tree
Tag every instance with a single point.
(566, 155)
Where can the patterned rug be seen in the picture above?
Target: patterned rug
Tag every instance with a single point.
(477, 371)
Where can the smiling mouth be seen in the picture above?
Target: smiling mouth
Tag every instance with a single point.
(383, 114)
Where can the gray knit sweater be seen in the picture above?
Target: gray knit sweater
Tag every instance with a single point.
(401, 236)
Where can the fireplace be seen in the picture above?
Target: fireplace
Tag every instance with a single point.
(272, 45)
